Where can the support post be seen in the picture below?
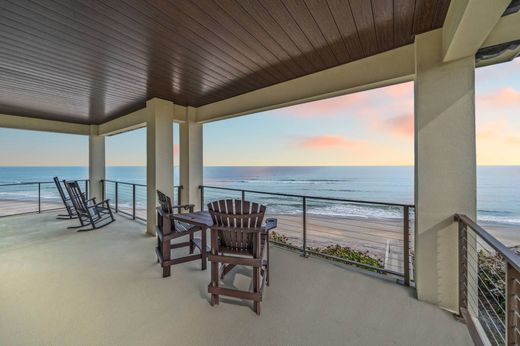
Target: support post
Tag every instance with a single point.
(159, 156)
(190, 161)
(96, 167)
(445, 165)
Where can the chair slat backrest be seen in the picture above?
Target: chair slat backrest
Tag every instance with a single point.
(76, 197)
(238, 216)
(60, 189)
(165, 202)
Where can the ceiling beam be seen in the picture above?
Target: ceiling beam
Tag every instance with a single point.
(506, 30)
(35, 124)
(468, 24)
(391, 67)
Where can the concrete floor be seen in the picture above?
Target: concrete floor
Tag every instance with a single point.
(61, 287)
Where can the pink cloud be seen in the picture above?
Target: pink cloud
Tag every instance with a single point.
(176, 150)
(502, 97)
(401, 125)
(331, 141)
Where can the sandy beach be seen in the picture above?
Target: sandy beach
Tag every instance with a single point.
(380, 238)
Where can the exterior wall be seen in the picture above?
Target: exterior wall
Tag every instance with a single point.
(445, 166)
(96, 162)
(159, 156)
(191, 163)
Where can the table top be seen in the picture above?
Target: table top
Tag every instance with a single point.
(203, 219)
(199, 218)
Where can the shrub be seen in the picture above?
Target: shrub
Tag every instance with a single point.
(348, 253)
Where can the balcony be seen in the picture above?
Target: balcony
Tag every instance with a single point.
(104, 287)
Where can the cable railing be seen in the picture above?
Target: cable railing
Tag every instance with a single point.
(489, 285)
(377, 236)
(130, 198)
(32, 197)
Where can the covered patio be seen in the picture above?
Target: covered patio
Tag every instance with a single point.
(100, 68)
(105, 288)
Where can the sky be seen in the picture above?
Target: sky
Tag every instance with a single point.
(369, 128)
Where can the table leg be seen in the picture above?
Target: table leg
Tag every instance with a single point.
(203, 249)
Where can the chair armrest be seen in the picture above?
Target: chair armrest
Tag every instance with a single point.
(270, 224)
(189, 207)
(99, 204)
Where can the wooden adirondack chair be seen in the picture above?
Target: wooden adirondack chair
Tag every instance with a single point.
(89, 212)
(169, 229)
(239, 238)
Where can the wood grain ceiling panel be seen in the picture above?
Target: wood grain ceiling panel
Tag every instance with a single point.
(89, 61)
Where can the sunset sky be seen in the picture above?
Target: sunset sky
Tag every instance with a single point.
(369, 128)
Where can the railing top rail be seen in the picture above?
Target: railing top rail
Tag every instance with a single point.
(34, 182)
(311, 197)
(127, 183)
(508, 255)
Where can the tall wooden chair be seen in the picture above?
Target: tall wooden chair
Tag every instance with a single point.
(89, 212)
(239, 238)
(168, 229)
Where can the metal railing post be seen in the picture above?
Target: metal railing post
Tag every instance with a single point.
(39, 198)
(117, 196)
(133, 201)
(179, 188)
(86, 188)
(463, 266)
(304, 246)
(243, 196)
(201, 198)
(512, 281)
(103, 196)
(406, 244)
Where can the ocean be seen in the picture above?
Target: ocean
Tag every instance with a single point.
(498, 187)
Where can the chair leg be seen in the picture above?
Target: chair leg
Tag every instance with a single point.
(214, 282)
(166, 253)
(256, 288)
(267, 270)
(192, 246)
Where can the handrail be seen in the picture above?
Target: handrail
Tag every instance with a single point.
(311, 197)
(34, 182)
(478, 269)
(508, 255)
(38, 187)
(116, 208)
(136, 184)
(305, 250)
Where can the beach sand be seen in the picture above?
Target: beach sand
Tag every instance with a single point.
(380, 238)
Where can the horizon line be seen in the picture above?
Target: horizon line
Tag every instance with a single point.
(238, 166)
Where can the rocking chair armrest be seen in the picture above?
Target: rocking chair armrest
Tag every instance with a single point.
(99, 204)
(189, 207)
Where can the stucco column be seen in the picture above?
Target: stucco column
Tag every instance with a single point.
(445, 165)
(96, 162)
(159, 156)
(191, 146)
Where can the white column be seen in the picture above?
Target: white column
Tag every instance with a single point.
(191, 146)
(445, 165)
(159, 156)
(96, 162)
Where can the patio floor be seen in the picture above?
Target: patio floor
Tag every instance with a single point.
(59, 286)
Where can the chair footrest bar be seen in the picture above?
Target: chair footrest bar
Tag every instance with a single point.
(256, 296)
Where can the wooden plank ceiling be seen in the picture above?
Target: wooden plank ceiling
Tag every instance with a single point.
(90, 61)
